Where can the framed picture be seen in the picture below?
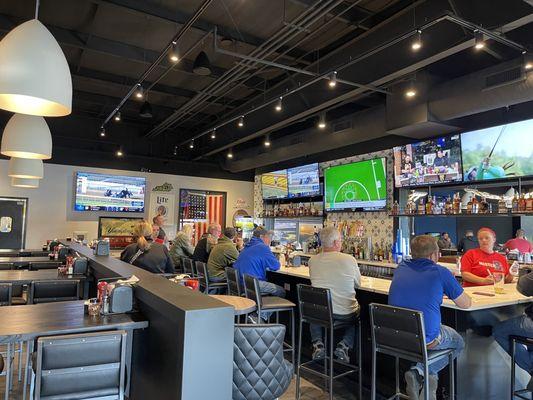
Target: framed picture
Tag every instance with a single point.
(119, 230)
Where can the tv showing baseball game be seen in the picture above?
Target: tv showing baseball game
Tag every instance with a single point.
(102, 192)
(274, 184)
(359, 186)
(303, 181)
(500, 152)
(430, 162)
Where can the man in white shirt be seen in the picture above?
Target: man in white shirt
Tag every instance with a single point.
(339, 273)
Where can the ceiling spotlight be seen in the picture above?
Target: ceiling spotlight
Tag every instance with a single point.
(146, 110)
(119, 153)
(102, 132)
(214, 134)
(173, 54)
(279, 105)
(226, 41)
(230, 154)
(139, 93)
(118, 117)
(191, 145)
(410, 92)
(417, 41)
(267, 141)
(240, 124)
(333, 79)
(202, 65)
(322, 121)
(528, 61)
(479, 40)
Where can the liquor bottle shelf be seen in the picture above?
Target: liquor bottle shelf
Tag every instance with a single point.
(297, 217)
(463, 215)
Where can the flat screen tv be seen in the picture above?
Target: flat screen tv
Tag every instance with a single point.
(359, 186)
(102, 192)
(430, 162)
(274, 184)
(500, 152)
(303, 181)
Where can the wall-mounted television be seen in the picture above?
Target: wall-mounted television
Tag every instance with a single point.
(274, 184)
(359, 186)
(504, 151)
(115, 193)
(430, 162)
(303, 181)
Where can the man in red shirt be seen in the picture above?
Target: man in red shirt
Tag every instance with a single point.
(519, 242)
(479, 266)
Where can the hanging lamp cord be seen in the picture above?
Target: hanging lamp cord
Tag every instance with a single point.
(37, 9)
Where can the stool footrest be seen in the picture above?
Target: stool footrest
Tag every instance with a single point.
(304, 367)
(396, 395)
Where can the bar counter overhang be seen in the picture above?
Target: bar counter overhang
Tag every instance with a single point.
(483, 370)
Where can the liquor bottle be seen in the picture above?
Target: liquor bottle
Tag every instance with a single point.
(529, 203)
(515, 203)
(483, 206)
(429, 206)
(448, 206)
(456, 204)
(410, 207)
(475, 205)
(502, 206)
(421, 207)
(522, 203)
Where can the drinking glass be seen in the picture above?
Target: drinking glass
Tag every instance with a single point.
(499, 282)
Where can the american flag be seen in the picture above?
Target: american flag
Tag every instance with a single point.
(214, 213)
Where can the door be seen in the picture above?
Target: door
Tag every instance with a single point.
(13, 222)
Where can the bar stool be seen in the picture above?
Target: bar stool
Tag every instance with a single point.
(399, 332)
(315, 307)
(206, 286)
(187, 266)
(271, 304)
(525, 341)
(234, 284)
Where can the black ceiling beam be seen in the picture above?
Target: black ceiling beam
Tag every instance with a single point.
(350, 17)
(107, 77)
(87, 41)
(175, 16)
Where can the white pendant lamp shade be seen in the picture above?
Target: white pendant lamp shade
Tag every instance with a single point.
(26, 168)
(25, 183)
(27, 136)
(34, 74)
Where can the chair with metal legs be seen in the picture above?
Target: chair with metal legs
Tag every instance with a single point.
(399, 332)
(316, 308)
(187, 266)
(527, 342)
(234, 284)
(272, 304)
(206, 285)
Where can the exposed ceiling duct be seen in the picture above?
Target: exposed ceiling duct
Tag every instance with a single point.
(446, 101)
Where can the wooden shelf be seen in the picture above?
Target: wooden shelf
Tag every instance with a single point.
(291, 200)
(302, 217)
(464, 215)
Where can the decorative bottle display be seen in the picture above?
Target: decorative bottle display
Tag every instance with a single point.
(429, 206)
(448, 206)
(502, 206)
(484, 207)
(410, 207)
(522, 203)
(457, 204)
(529, 203)
(475, 205)
(515, 203)
(469, 206)
(421, 207)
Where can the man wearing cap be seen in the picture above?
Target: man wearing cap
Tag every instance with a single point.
(256, 259)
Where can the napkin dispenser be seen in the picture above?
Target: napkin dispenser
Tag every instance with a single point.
(79, 266)
(102, 248)
(121, 299)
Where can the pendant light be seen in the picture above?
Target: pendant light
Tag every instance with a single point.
(202, 65)
(25, 168)
(25, 183)
(27, 136)
(34, 74)
(146, 110)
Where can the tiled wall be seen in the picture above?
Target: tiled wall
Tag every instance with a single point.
(377, 225)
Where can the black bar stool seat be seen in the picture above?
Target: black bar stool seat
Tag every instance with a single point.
(274, 303)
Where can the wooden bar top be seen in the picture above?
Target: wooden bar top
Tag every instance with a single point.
(25, 277)
(479, 302)
(31, 321)
(25, 260)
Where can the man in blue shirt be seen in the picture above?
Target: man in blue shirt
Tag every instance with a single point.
(419, 284)
(256, 258)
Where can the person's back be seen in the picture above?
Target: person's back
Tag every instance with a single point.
(519, 243)
(255, 259)
(339, 273)
(420, 284)
(155, 258)
(223, 255)
(181, 247)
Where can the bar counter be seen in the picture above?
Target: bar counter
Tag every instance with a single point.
(483, 369)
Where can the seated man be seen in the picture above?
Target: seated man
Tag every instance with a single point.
(339, 273)
(223, 255)
(256, 258)
(419, 284)
(519, 326)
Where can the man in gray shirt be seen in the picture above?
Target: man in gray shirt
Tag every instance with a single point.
(339, 273)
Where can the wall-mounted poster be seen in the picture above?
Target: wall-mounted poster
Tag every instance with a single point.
(162, 204)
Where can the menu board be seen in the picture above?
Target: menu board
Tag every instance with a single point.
(274, 184)
(303, 181)
(504, 151)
